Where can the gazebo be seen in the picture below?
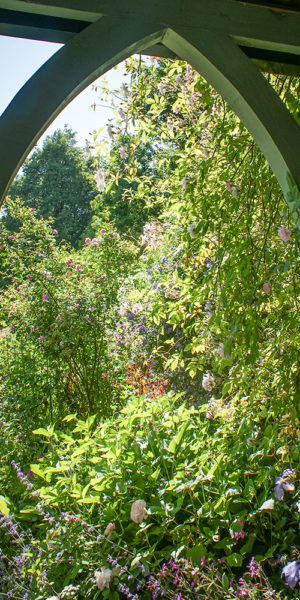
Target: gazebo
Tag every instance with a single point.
(229, 42)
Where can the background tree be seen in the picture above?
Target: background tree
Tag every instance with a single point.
(57, 181)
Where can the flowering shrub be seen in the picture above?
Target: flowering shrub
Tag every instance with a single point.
(206, 490)
(111, 487)
(63, 314)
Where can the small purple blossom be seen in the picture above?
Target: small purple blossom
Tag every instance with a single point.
(283, 484)
(291, 572)
(253, 567)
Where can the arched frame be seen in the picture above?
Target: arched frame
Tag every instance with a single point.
(106, 42)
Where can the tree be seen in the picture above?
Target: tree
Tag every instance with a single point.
(57, 181)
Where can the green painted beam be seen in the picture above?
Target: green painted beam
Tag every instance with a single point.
(64, 10)
(250, 96)
(200, 32)
(249, 24)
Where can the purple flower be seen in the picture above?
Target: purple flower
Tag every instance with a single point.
(283, 484)
(291, 572)
(253, 567)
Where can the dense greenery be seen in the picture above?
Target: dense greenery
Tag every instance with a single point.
(150, 383)
(57, 181)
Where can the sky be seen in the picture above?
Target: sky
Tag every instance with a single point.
(20, 58)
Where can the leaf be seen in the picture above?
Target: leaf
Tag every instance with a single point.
(38, 471)
(4, 506)
(196, 553)
(42, 431)
(225, 581)
(89, 500)
(267, 505)
(234, 560)
(175, 442)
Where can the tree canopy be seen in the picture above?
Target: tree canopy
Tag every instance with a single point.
(57, 181)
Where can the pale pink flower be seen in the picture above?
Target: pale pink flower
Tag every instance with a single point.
(69, 261)
(267, 287)
(41, 338)
(61, 343)
(102, 230)
(47, 274)
(103, 578)
(55, 231)
(87, 240)
(208, 382)
(95, 244)
(77, 305)
(86, 316)
(10, 237)
(110, 131)
(122, 152)
(100, 180)
(110, 527)
(45, 296)
(78, 267)
(284, 233)
(138, 511)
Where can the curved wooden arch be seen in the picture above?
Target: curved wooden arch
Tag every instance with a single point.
(108, 41)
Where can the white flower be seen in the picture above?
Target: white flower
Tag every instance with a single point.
(267, 287)
(100, 180)
(123, 308)
(138, 511)
(191, 229)
(179, 81)
(284, 233)
(235, 191)
(137, 308)
(184, 183)
(122, 152)
(110, 132)
(208, 382)
(161, 87)
(208, 308)
(169, 123)
(103, 578)
(220, 350)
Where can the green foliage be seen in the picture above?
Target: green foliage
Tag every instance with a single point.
(57, 181)
(205, 485)
(59, 342)
(110, 487)
(220, 279)
(128, 158)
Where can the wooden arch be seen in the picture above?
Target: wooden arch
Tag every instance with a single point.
(211, 36)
